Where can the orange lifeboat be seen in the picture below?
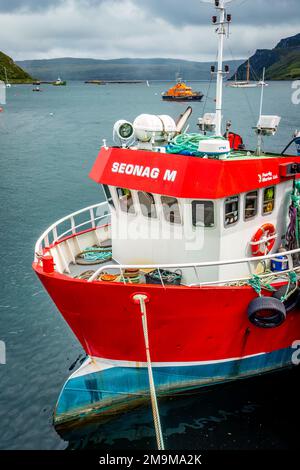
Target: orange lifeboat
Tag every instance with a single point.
(182, 92)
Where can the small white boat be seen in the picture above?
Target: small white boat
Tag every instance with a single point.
(262, 83)
(59, 82)
(242, 85)
(7, 84)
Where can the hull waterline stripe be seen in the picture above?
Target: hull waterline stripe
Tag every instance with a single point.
(99, 364)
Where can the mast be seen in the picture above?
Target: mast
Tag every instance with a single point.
(5, 72)
(220, 5)
(248, 71)
(259, 136)
(262, 93)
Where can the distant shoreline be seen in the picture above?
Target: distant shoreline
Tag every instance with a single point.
(119, 82)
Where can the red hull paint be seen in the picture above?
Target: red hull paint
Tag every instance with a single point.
(185, 324)
(226, 178)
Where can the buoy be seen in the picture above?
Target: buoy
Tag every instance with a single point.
(263, 240)
(1, 110)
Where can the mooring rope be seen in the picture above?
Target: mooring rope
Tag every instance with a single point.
(158, 432)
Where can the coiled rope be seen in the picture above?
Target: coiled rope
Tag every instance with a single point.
(94, 255)
(188, 144)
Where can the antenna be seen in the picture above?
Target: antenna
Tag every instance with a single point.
(214, 2)
(262, 92)
(212, 122)
(267, 125)
(259, 136)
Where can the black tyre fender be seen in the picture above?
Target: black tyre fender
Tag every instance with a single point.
(266, 312)
(292, 301)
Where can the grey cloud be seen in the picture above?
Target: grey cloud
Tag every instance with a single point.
(193, 12)
(183, 13)
(9, 6)
(132, 28)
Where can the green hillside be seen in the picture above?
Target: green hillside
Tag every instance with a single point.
(287, 68)
(119, 69)
(281, 63)
(15, 74)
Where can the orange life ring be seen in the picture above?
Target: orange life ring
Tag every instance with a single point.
(265, 231)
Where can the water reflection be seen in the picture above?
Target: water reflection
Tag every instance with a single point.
(258, 413)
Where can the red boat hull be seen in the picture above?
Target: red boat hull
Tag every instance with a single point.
(185, 324)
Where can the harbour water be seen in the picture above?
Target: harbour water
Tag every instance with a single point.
(48, 143)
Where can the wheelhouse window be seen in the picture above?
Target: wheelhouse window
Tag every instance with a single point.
(147, 204)
(126, 200)
(231, 216)
(171, 209)
(269, 200)
(108, 195)
(251, 205)
(203, 214)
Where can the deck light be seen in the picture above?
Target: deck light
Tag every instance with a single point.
(267, 125)
(126, 130)
(207, 123)
(214, 19)
(123, 132)
(229, 17)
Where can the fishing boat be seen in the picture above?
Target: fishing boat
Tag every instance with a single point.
(182, 92)
(59, 82)
(187, 275)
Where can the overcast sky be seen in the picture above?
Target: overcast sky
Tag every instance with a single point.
(103, 29)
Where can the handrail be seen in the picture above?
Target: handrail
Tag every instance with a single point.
(195, 265)
(44, 238)
(44, 241)
(64, 234)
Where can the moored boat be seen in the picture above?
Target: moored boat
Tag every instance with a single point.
(7, 84)
(60, 82)
(182, 92)
(190, 268)
(247, 83)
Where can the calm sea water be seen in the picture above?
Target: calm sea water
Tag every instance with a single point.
(48, 143)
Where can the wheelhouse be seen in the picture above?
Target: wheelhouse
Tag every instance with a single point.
(156, 221)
